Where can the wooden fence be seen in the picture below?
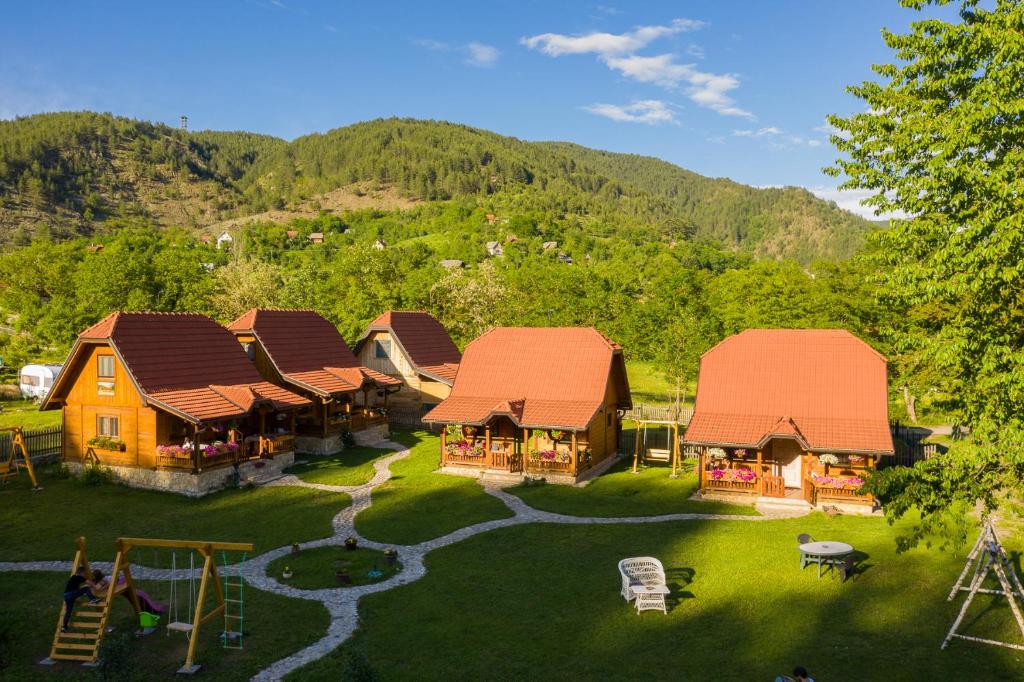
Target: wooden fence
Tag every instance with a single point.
(409, 419)
(657, 439)
(41, 443)
(909, 453)
(666, 413)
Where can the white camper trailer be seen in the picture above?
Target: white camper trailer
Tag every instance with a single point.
(35, 380)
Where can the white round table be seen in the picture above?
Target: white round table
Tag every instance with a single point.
(820, 552)
(826, 548)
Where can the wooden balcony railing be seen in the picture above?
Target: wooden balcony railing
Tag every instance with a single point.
(823, 493)
(731, 486)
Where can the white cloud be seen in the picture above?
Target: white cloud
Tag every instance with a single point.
(481, 55)
(649, 111)
(618, 52)
(850, 200)
(477, 54)
(695, 50)
(431, 44)
(760, 132)
(607, 44)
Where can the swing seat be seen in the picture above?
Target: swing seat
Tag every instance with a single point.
(180, 627)
(657, 455)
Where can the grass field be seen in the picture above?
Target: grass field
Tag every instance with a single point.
(619, 492)
(541, 602)
(274, 627)
(353, 466)
(648, 384)
(26, 414)
(417, 504)
(44, 524)
(314, 569)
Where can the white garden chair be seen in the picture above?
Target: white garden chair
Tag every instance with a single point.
(643, 579)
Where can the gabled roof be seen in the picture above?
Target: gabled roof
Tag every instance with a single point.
(186, 364)
(548, 377)
(308, 351)
(825, 388)
(424, 341)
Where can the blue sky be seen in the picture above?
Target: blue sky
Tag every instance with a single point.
(726, 88)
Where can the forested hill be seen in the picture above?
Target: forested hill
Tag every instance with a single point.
(72, 173)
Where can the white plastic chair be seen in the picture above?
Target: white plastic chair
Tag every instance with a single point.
(643, 571)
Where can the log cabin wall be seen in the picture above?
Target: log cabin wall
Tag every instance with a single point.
(91, 397)
(417, 390)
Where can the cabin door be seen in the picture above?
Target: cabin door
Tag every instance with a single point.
(791, 472)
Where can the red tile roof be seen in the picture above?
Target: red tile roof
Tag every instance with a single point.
(540, 377)
(825, 388)
(424, 341)
(308, 351)
(187, 364)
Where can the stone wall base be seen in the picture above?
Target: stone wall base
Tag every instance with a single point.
(372, 435)
(315, 445)
(195, 485)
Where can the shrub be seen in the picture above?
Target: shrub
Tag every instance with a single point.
(115, 656)
(10, 392)
(348, 440)
(93, 475)
(62, 472)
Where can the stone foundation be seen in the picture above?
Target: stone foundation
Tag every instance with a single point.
(315, 445)
(205, 482)
(372, 435)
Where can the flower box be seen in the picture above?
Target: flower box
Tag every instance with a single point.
(837, 483)
(107, 443)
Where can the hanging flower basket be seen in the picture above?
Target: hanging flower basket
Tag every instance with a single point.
(857, 459)
(556, 435)
(829, 459)
(716, 453)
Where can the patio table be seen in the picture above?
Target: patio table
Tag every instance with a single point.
(823, 552)
(650, 597)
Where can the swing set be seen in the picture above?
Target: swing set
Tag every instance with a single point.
(11, 466)
(644, 448)
(81, 642)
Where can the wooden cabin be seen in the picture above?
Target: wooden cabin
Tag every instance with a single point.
(170, 402)
(302, 351)
(414, 348)
(793, 415)
(535, 401)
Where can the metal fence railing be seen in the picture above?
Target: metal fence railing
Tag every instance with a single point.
(39, 442)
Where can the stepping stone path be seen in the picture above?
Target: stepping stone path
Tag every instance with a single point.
(342, 602)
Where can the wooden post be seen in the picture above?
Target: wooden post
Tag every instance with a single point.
(193, 638)
(487, 444)
(700, 469)
(674, 452)
(444, 448)
(326, 402)
(574, 453)
(195, 449)
(760, 475)
(636, 447)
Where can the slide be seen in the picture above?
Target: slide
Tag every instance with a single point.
(148, 603)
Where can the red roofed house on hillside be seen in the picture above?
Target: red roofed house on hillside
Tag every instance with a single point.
(304, 352)
(169, 401)
(791, 413)
(545, 401)
(414, 348)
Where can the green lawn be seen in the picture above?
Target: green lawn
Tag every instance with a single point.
(542, 602)
(647, 384)
(44, 524)
(353, 466)
(26, 414)
(274, 627)
(314, 569)
(417, 504)
(619, 492)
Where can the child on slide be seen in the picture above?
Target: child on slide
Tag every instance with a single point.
(77, 586)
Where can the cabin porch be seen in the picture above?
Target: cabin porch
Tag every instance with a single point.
(781, 470)
(504, 448)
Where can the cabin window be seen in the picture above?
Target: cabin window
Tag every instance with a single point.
(383, 349)
(105, 374)
(108, 426)
(250, 350)
(29, 380)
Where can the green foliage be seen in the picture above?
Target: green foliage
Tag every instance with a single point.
(93, 475)
(940, 141)
(115, 657)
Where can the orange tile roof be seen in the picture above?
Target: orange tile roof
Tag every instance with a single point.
(188, 364)
(825, 388)
(424, 340)
(308, 351)
(549, 377)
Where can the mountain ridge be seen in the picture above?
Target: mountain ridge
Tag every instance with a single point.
(75, 173)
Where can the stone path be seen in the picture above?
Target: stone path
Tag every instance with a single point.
(342, 602)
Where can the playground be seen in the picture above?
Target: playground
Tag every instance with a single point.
(523, 580)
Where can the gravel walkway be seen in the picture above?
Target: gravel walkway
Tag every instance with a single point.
(342, 602)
